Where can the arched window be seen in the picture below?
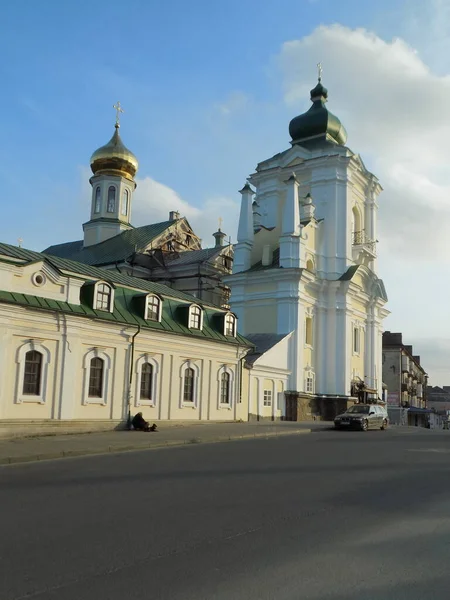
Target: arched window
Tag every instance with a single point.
(32, 374)
(96, 378)
(111, 207)
(195, 317)
(124, 209)
(188, 385)
(97, 202)
(225, 388)
(103, 297)
(230, 325)
(357, 233)
(146, 390)
(310, 265)
(153, 308)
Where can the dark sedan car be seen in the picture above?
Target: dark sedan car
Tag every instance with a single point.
(362, 416)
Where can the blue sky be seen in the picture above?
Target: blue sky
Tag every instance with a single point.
(65, 63)
(209, 89)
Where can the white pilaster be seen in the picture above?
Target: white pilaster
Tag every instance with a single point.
(243, 249)
(290, 238)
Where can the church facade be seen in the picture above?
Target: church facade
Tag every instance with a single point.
(305, 267)
(169, 252)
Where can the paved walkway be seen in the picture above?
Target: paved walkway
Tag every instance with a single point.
(64, 446)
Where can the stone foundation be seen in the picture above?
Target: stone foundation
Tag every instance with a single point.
(305, 407)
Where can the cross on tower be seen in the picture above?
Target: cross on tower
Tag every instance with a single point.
(220, 222)
(319, 71)
(119, 110)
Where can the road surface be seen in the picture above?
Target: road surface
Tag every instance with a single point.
(329, 515)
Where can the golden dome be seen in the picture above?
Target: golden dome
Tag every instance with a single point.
(114, 158)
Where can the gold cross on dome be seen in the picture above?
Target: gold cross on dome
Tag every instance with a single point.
(319, 71)
(119, 110)
(220, 222)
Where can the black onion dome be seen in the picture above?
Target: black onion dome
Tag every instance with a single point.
(318, 121)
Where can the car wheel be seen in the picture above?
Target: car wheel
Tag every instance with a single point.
(365, 425)
(384, 425)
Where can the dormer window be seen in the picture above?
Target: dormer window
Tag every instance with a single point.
(195, 317)
(103, 297)
(153, 308)
(230, 325)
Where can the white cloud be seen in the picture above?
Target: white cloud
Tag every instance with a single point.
(153, 201)
(394, 108)
(235, 102)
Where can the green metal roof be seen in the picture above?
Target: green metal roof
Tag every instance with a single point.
(125, 311)
(115, 249)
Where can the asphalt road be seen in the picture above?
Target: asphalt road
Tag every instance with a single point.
(329, 515)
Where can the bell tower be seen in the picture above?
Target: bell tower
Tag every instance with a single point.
(114, 168)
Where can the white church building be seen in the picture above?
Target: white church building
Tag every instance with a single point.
(305, 270)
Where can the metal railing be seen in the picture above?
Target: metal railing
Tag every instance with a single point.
(359, 238)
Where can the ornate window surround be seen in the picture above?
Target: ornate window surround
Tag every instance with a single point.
(96, 353)
(229, 405)
(189, 364)
(155, 381)
(20, 397)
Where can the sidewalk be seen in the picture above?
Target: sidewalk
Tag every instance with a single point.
(20, 450)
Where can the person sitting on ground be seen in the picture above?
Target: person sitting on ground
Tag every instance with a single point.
(140, 424)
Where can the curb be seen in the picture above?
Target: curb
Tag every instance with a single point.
(11, 460)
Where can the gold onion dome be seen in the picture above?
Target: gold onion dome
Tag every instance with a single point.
(114, 158)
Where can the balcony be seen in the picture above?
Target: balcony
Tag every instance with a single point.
(362, 243)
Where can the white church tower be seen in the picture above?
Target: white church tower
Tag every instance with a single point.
(305, 265)
(114, 168)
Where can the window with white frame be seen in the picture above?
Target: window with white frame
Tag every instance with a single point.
(103, 297)
(111, 205)
(190, 373)
(309, 331)
(356, 339)
(225, 381)
(147, 369)
(267, 399)
(125, 201)
(195, 317)
(32, 373)
(32, 363)
(96, 374)
(230, 325)
(153, 308)
(310, 382)
(97, 368)
(97, 201)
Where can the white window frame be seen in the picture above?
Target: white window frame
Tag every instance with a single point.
(189, 364)
(96, 353)
(229, 315)
(267, 403)
(111, 298)
(40, 398)
(146, 359)
(229, 405)
(310, 377)
(99, 199)
(125, 194)
(191, 307)
(147, 318)
(309, 344)
(356, 329)
(111, 212)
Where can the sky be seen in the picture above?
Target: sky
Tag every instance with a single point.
(208, 90)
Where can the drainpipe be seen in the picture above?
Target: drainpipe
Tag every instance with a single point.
(131, 375)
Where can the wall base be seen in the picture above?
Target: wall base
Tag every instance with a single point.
(307, 407)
